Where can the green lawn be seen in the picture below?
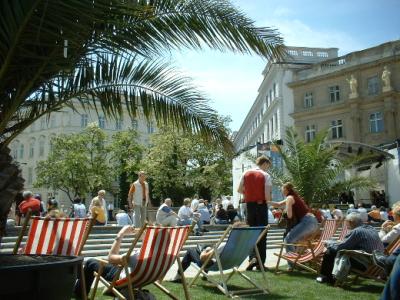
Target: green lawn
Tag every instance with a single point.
(298, 285)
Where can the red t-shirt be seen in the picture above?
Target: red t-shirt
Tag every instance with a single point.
(300, 208)
(254, 184)
(32, 203)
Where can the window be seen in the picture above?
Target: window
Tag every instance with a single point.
(293, 52)
(32, 148)
(373, 85)
(308, 100)
(334, 93)
(307, 53)
(272, 127)
(322, 54)
(277, 122)
(150, 127)
(310, 133)
(15, 149)
(42, 123)
(41, 145)
(118, 124)
(134, 124)
(30, 175)
(337, 129)
(270, 96)
(21, 151)
(375, 122)
(275, 90)
(84, 120)
(102, 122)
(267, 131)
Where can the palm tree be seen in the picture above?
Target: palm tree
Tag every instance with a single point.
(316, 169)
(108, 55)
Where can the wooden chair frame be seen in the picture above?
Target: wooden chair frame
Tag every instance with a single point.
(222, 285)
(314, 255)
(111, 286)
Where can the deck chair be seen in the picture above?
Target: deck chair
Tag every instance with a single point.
(344, 232)
(241, 241)
(372, 271)
(55, 236)
(159, 250)
(310, 252)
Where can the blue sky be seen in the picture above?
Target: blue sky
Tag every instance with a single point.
(231, 81)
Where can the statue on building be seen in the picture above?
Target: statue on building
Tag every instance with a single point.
(386, 79)
(353, 86)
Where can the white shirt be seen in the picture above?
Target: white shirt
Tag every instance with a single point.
(384, 216)
(225, 203)
(271, 219)
(185, 213)
(79, 210)
(363, 214)
(163, 212)
(388, 237)
(123, 219)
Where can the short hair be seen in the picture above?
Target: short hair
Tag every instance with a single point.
(53, 202)
(96, 202)
(351, 205)
(354, 219)
(167, 199)
(101, 192)
(396, 208)
(186, 201)
(262, 159)
(27, 194)
(141, 173)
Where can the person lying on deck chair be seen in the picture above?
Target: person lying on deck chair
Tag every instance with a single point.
(109, 271)
(199, 257)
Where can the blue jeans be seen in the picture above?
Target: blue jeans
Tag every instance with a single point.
(307, 225)
(392, 291)
(184, 222)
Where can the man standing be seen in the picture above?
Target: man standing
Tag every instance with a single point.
(138, 198)
(256, 186)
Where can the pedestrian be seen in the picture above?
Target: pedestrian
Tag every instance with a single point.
(79, 208)
(110, 209)
(256, 186)
(138, 198)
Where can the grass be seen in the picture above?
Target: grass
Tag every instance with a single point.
(297, 285)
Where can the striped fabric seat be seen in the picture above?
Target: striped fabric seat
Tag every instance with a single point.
(159, 250)
(313, 252)
(161, 245)
(56, 236)
(344, 232)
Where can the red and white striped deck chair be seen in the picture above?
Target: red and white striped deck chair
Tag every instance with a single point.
(311, 252)
(373, 271)
(159, 250)
(344, 232)
(56, 236)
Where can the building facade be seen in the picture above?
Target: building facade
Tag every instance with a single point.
(271, 111)
(356, 98)
(34, 143)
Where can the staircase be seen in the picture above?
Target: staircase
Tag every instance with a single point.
(102, 237)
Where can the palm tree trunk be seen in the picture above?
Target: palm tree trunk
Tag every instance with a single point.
(11, 183)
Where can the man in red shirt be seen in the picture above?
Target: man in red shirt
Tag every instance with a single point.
(256, 186)
(29, 203)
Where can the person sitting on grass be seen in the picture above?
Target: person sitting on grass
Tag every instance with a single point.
(98, 211)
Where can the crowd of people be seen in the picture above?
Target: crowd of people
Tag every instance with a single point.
(256, 209)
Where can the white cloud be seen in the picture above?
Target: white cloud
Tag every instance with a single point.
(282, 11)
(297, 33)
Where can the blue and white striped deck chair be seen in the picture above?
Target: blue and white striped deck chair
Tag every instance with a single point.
(240, 243)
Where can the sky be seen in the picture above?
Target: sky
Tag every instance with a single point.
(231, 81)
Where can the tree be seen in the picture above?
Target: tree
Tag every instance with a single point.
(181, 164)
(315, 168)
(108, 54)
(126, 154)
(77, 164)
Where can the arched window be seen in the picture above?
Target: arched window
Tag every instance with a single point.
(32, 148)
(42, 140)
(21, 151)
